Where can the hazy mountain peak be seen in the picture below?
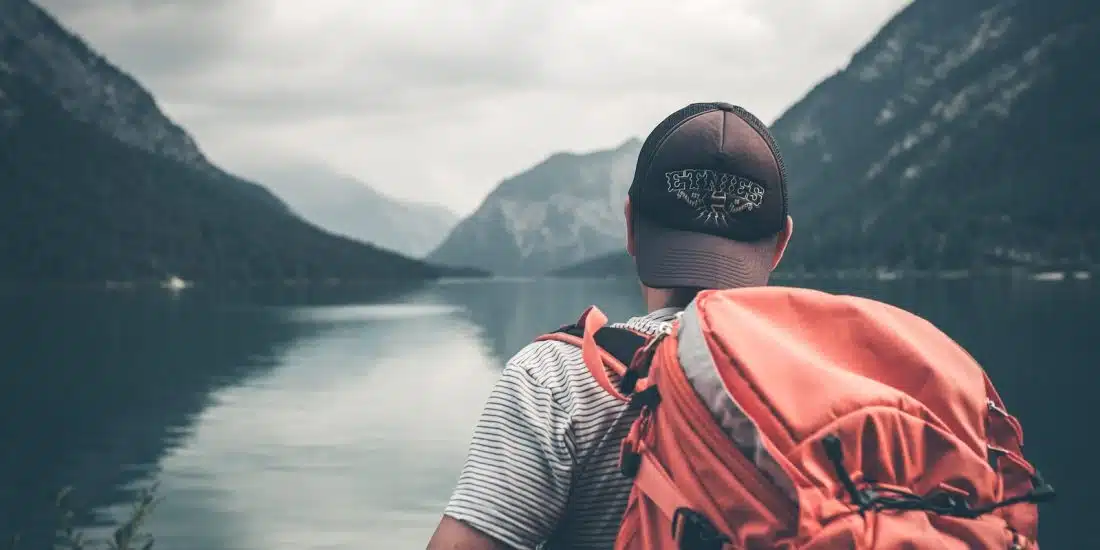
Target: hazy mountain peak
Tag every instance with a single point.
(347, 206)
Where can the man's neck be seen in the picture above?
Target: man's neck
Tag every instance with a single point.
(656, 299)
(653, 308)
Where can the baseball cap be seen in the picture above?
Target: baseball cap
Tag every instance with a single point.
(708, 192)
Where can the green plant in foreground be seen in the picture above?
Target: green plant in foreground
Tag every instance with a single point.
(126, 536)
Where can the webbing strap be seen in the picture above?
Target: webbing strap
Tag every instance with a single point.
(593, 355)
(621, 343)
(597, 366)
(603, 347)
(654, 481)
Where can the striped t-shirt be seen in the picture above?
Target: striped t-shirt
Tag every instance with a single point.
(543, 465)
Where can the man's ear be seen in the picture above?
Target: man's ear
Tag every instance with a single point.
(781, 241)
(629, 228)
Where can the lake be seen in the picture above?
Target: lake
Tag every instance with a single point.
(338, 418)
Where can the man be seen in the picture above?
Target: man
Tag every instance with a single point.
(707, 210)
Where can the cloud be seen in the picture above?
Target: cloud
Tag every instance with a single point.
(440, 100)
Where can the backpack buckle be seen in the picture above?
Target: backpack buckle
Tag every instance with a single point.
(648, 398)
(693, 531)
(641, 360)
(629, 463)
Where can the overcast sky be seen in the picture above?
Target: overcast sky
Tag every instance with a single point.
(439, 100)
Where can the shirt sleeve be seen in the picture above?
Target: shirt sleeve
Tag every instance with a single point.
(519, 470)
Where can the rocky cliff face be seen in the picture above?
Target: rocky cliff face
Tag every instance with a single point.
(961, 135)
(86, 84)
(566, 209)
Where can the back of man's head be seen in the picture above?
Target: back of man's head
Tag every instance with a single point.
(708, 203)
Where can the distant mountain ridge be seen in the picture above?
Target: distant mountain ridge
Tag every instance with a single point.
(97, 185)
(959, 136)
(346, 206)
(564, 209)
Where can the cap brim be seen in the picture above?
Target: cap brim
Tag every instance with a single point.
(669, 258)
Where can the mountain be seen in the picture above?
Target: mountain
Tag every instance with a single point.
(96, 184)
(93, 91)
(566, 208)
(961, 135)
(346, 206)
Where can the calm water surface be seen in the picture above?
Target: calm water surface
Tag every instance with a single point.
(338, 419)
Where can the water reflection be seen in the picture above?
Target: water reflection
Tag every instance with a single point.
(512, 313)
(96, 387)
(339, 418)
(355, 438)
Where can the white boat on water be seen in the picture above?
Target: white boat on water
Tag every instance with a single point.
(175, 284)
(1049, 276)
(884, 274)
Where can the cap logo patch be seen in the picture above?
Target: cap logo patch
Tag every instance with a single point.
(714, 195)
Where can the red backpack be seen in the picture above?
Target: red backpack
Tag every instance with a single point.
(795, 419)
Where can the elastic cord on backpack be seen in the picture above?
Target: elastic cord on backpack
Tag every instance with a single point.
(835, 453)
(877, 498)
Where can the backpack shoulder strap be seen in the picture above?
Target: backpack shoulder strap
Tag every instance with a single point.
(621, 343)
(603, 347)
